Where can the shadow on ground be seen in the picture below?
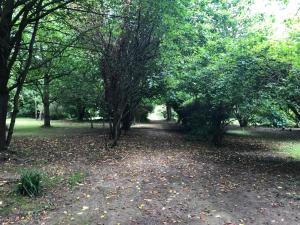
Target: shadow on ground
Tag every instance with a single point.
(156, 176)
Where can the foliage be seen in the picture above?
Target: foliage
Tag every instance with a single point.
(142, 111)
(30, 182)
(106, 59)
(238, 67)
(204, 120)
(19, 24)
(27, 104)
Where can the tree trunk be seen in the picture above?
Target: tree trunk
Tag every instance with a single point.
(127, 119)
(81, 112)
(3, 112)
(5, 32)
(21, 80)
(92, 123)
(116, 131)
(46, 101)
(169, 113)
(218, 133)
(91, 120)
(243, 122)
(218, 126)
(4, 97)
(13, 115)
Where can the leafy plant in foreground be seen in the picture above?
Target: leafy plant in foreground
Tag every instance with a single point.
(30, 183)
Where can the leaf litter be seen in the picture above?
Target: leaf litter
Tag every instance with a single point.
(156, 176)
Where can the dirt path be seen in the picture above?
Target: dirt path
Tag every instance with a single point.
(157, 177)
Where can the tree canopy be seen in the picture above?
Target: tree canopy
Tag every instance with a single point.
(211, 61)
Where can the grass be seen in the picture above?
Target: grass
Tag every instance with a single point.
(75, 178)
(50, 182)
(284, 144)
(13, 202)
(30, 182)
(241, 132)
(32, 127)
(292, 149)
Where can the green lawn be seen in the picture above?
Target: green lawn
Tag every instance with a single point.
(240, 132)
(292, 149)
(282, 142)
(32, 127)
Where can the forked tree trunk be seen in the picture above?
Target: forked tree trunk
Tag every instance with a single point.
(116, 130)
(21, 81)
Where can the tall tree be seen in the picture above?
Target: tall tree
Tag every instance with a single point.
(18, 17)
(126, 44)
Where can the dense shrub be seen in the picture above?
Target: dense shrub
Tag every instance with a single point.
(141, 113)
(271, 115)
(57, 112)
(205, 120)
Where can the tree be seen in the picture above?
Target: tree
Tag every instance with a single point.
(226, 67)
(127, 47)
(80, 93)
(17, 19)
(52, 61)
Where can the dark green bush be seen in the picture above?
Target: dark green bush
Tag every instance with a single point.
(271, 115)
(205, 120)
(30, 183)
(140, 114)
(142, 111)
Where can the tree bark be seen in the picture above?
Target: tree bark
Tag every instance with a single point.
(46, 101)
(169, 113)
(80, 112)
(218, 125)
(5, 32)
(243, 122)
(10, 46)
(3, 112)
(127, 119)
(13, 115)
(20, 83)
(116, 131)
(92, 123)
